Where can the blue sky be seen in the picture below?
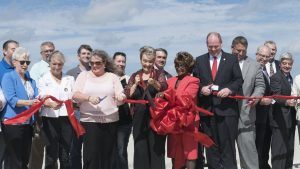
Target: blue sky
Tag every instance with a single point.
(126, 25)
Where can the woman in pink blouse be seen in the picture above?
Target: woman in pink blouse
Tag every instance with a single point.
(98, 92)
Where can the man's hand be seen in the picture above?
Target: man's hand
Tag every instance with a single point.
(224, 92)
(252, 102)
(265, 101)
(291, 102)
(206, 90)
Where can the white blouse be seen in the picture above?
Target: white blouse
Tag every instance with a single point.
(47, 85)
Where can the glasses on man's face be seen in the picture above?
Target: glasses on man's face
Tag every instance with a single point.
(97, 63)
(22, 62)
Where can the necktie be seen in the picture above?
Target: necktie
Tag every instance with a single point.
(214, 68)
(271, 69)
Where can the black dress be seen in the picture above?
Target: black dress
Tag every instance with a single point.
(149, 147)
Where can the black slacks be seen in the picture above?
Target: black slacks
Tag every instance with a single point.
(263, 144)
(18, 145)
(282, 147)
(223, 130)
(98, 145)
(58, 132)
(149, 147)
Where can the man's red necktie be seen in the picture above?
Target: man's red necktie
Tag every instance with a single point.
(214, 68)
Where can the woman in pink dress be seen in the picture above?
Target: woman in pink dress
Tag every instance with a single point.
(184, 84)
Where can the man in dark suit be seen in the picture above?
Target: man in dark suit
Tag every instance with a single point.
(283, 117)
(273, 65)
(219, 72)
(263, 109)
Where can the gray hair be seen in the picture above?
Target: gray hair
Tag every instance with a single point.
(270, 42)
(261, 47)
(47, 43)
(19, 51)
(286, 56)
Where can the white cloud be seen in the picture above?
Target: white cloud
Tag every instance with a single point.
(126, 25)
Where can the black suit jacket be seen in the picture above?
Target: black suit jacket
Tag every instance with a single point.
(277, 62)
(228, 75)
(262, 111)
(282, 116)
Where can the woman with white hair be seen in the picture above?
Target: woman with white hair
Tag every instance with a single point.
(56, 125)
(20, 92)
(282, 118)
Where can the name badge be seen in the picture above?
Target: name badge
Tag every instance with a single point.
(215, 88)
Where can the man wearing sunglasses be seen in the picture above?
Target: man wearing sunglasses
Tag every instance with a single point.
(37, 71)
(6, 66)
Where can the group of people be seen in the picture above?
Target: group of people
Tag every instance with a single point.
(100, 91)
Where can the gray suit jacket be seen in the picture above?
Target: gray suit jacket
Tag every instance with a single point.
(253, 85)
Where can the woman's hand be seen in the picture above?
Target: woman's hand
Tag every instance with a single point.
(55, 105)
(94, 100)
(34, 101)
(159, 95)
(152, 81)
(137, 79)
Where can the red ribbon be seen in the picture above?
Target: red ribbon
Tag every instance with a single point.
(22, 117)
(239, 97)
(178, 114)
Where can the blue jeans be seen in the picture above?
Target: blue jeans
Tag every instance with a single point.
(123, 133)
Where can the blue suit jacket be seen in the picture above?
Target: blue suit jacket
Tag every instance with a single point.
(14, 90)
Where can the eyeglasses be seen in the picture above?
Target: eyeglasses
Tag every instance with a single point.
(22, 62)
(96, 63)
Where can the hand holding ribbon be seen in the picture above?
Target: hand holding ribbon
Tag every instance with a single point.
(22, 117)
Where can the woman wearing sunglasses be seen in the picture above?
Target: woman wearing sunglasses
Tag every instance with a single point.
(184, 84)
(57, 128)
(20, 92)
(99, 92)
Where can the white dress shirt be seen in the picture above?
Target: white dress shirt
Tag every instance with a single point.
(62, 91)
(268, 67)
(211, 60)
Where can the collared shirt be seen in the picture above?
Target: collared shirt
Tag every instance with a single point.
(4, 68)
(211, 59)
(39, 69)
(62, 91)
(241, 63)
(268, 67)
